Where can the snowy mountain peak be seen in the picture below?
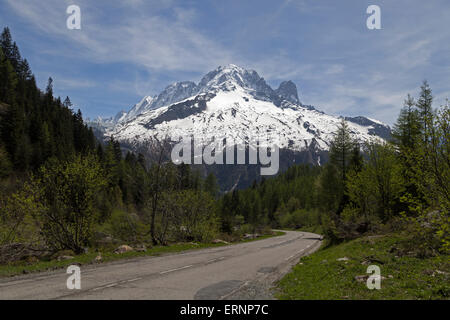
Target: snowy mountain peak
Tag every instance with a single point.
(230, 77)
(120, 116)
(173, 93)
(236, 102)
(137, 109)
(223, 79)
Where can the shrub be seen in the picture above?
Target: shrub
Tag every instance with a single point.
(186, 215)
(67, 192)
(125, 226)
(17, 213)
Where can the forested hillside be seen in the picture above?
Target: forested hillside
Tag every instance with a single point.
(35, 126)
(63, 190)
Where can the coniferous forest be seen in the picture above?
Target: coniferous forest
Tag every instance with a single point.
(63, 190)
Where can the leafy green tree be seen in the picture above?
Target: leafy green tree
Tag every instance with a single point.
(434, 179)
(18, 213)
(385, 172)
(68, 191)
(186, 215)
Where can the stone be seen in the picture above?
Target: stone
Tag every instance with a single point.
(343, 259)
(361, 278)
(219, 241)
(62, 254)
(62, 258)
(441, 272)
(123, 248)
(98, 258)
(32, 259)
(141, 248)
(19, 251)
(250, 236)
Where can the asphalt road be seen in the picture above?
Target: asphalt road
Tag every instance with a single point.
(240, 271)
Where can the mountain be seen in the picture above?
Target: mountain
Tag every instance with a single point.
(231, 101)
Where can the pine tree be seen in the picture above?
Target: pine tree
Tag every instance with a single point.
(6, 43)
(35, 126)
(67, 103)
(49, 88)
(8, 80)
(100, 152)
(24, 70)
(424, 105)
(5, 164)
(356, 158)
(340, 155)
(185, 176)
(141, 161)
(330, 192)
(16, 59)
(341, 149)
(211, 186)
(407, 139)
(407, 128)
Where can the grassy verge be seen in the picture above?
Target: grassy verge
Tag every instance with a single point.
(322, 276)
(108, 255)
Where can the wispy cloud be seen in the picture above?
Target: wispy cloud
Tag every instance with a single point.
(340, 66)
(156, 42)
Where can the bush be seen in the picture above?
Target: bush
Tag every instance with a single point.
(124, 226)
(67, 192)
(17, 213)
(428, 234)
(299, 218)
(349, 225)
(186, 215)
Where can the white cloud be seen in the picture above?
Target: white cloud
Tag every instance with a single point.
(345, 69)
(152, 41)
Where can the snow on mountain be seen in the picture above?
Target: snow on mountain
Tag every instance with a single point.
(234, 102)
(138, 109)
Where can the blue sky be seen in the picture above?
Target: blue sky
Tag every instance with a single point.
(128, 49)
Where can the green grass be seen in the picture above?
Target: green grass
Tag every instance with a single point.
(321, 276)
(108, 255)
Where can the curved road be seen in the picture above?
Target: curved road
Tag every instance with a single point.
(240, 271)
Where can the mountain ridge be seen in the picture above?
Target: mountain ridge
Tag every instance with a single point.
(231, 100)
